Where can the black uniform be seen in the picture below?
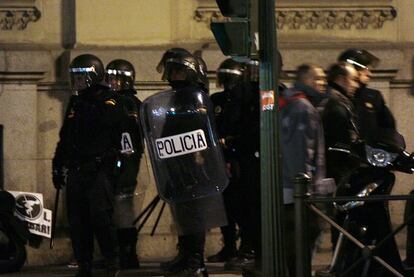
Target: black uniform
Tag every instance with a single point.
(126, 184)
(250, 176)
(194, 217)
(131, 162)
(228, 109)
(372, 112)
(190, 173)
(250, 171)
(88, 147)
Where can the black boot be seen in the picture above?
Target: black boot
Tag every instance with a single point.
(84, 269)
(224, 255)
(229, 251)
(193, 267)
(245, 259)
(112, 267)
(179, 260)
(127, 239)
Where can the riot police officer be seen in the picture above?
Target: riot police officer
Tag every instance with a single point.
(372, 112)
(228, 109)
(87, 150)
(186, 172)
(374, 115)
(120, 76)
(249, 253)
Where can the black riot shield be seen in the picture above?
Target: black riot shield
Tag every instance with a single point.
(180, 132)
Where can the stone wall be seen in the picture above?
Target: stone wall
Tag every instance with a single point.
(34, 81)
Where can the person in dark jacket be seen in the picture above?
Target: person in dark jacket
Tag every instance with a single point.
(120, 75)
(339, 123)
(88, 151)
(227, 110)
(339, 117)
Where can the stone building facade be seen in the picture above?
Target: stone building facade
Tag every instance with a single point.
(38, 38)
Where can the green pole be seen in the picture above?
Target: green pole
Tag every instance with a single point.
(273, 257)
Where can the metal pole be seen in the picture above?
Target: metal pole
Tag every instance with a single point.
(1, 159)
(273, 256)
(54, 220)
(302, 253)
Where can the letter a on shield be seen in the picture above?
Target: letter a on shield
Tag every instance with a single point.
(126, 144)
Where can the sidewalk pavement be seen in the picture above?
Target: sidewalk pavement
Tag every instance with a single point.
(147, 269)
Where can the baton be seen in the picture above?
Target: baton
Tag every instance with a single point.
(158, 220)
(148, 214)
(150, 205)
(54, 218)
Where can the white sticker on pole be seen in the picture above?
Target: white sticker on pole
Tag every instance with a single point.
(181, 144)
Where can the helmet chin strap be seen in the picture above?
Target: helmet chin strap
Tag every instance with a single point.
(88, 81)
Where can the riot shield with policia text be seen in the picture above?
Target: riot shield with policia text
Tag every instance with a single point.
(180, 132)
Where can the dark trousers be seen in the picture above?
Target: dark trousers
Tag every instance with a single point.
(89, 209)
(251, 205)
(192, 244)
(233, 204)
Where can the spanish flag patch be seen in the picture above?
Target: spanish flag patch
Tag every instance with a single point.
(133, 114)
(110, 102)
(369, 105)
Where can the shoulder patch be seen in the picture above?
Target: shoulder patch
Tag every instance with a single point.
(217, 109)
(369, 105)
(110, 102)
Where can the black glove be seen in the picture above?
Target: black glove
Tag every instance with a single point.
(59, 174)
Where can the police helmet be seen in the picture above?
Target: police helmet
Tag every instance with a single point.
(230, 73)
(120, 75)
(359, 58)
(86, 71)
(178, 60)
(202, 74)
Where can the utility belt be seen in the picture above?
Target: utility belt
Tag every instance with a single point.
(94, 164)
(90, 164)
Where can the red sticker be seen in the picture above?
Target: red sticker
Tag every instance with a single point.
(267, 100)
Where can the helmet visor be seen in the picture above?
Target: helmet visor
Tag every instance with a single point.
(179, 69)
(119, 79)
(80, 81)
(228, 78)
(81, 77)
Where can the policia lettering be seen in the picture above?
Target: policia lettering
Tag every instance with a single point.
(181, 144)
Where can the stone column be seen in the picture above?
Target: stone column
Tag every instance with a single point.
(18, 114)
